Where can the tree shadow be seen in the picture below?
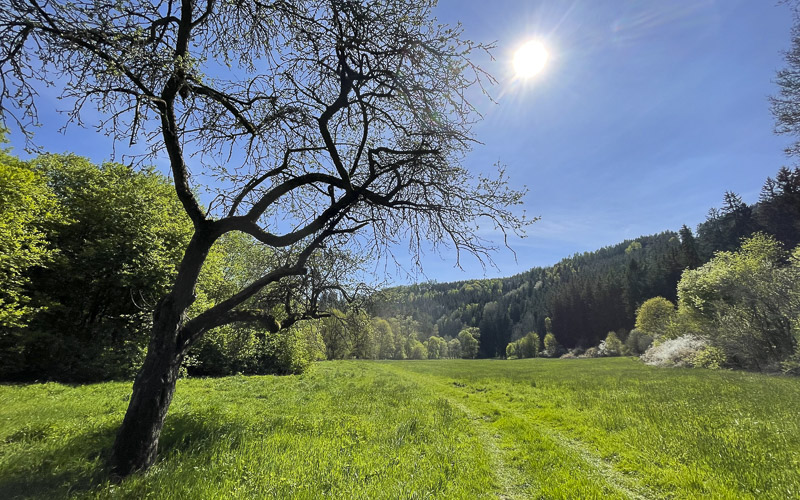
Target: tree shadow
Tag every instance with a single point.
(79, 465)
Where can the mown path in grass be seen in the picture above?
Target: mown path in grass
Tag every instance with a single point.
(501, 428)
(618, 429)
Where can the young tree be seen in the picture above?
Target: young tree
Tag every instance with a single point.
(551, 345)
(654, 316)
(511, 350)
(340, 123)
(384, 337)
(612, 345)
(468, 337)
(454, 348)
(417, 350)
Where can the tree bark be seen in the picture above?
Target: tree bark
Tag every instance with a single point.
(136, 445)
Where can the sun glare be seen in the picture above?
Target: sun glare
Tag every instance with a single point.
(530, 59)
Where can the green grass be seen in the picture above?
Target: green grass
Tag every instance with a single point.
(610, 428)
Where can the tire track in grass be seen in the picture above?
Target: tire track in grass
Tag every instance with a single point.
(509, 479)
(513, 484)
(614, 478)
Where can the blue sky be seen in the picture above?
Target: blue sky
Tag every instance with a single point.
(646, 112)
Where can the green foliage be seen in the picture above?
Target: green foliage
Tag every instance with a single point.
(384, 338)
(454, 348)
(511, 350)
(118, 244)
(468, 337)
(529, 345)
(437, 347)
(417, 350)
(551, 345)
(229, 350)
(723, 279)
(638, 342)
(710, 357)
(654, 316)
(747, 302)
(526, 347)
(27, 206)
(635, 246)
(612, 346)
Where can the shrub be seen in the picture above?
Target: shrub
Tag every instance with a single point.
(682, 351)
(710, 357)
(511, 350)
(745, 301)
(229, 350)
(654, 316)
(551, 345)
(418, 350)
(638, 342)
(611, 346)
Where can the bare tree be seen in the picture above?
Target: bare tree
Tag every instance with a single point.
(322, 124)
(785, 105)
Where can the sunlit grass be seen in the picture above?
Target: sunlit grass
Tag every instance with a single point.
(624, 428)
(343, 431)
(538, 428)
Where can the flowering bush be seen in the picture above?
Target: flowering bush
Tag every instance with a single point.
(682, 351)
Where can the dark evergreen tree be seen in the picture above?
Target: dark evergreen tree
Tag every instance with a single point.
(689, 254)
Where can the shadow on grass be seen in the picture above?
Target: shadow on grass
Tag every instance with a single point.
(79, 465)
(37, 470)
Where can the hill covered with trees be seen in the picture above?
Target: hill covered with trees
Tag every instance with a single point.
(588, 295)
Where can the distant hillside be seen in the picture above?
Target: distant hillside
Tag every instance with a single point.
(590, 294)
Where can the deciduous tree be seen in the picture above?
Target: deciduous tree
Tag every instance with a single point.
(323, 123)
(27, 206)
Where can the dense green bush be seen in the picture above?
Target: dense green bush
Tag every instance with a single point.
(747, 302)
(27, 207)
(526, 347)
(78, 306)
(249, 350)
(655, 316)
(611, 346)
(116, 247)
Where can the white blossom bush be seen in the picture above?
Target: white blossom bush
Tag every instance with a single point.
(681, 351)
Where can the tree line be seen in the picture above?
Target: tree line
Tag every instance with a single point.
(590, 294)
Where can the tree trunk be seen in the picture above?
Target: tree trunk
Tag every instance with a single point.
(136, 445)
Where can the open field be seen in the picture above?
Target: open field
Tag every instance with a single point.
(595, 428)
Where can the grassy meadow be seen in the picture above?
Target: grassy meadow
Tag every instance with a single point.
(594, 428)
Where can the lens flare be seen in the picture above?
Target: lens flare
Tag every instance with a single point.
(530, 59)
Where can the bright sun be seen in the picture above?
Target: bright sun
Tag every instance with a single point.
(530, 59)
